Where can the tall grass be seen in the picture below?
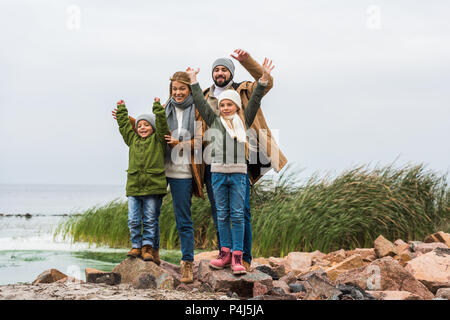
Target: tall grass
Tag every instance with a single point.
(323, 213)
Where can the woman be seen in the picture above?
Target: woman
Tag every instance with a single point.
(183, 164)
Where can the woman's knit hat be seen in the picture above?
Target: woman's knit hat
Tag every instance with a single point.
(232, 95)
(150, 118)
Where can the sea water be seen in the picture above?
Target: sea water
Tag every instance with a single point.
(29, 215)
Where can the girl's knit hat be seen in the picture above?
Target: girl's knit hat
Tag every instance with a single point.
(150, 118)
(231, 95)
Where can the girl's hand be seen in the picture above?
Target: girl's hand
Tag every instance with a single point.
(156, 99)
(114, 114)
(241, 55)
(171, 141)
(120, 102)
(267, 69)
(192, 74)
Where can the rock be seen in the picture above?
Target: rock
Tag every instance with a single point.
(268, 270)
(354, 292)
(49, 276)
(277, 291)
(394, 295)
(297, 287)
(70, 280)
(385, 274)
(130, 268)
(439, 237)
(175, 271)
(223, 280)
(351, 262)
(144, 280)
(98, 276)
(299, 262)
(403, 258)
(184, 287)
(367, 254)
(399, 242)
(279, 266)
(275, 297)
(384, 247)
(414, 244)
(289, 278)
(335, 257)
(443, 293)
(428, 247)
(208, 255)
(432, 269)
(259, 289)
(281, 285)
(320, 289)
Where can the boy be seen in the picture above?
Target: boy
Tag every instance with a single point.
(146, 180)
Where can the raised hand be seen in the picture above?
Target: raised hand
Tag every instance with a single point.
(267, 69)
(241, 55)
(156, 99)
(114, 112)
(192, 74)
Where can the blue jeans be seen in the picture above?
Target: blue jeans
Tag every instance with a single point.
(229, 194)
(181, 190)
(143, 213)
(247, 214)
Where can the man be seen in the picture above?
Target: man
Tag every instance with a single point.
(269, 155)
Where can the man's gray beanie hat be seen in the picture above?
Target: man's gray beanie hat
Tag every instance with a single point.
(150, 118)
(227, 63)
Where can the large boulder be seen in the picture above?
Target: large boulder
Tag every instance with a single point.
(385, 274)
(432, 269)
(131, 268)
(243, 285)
(49, 276)
(383, 247)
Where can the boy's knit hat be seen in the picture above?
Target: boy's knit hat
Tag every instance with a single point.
(231, 95)
(150, 118)
(227, 63)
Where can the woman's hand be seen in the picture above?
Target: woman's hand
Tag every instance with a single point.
(241, 55)
(267, 69)
(192, 74)
(171, 141)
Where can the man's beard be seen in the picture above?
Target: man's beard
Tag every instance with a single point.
(224, 84)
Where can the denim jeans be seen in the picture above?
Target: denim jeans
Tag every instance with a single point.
(181, 190)
(247, 214)
(229, 195)
(143, 213)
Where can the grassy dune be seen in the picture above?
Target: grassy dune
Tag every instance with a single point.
(323, 213)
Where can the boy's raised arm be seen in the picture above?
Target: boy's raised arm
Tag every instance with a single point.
(125, 127)
(162, 127)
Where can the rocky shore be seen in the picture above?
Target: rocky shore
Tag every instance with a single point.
(414, 270)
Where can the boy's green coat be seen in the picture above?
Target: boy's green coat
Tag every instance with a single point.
(146, 172)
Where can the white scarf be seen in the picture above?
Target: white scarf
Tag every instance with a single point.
(236, 129)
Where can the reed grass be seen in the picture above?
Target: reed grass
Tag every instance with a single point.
(322, 213)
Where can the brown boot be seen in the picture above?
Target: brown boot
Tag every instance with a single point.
(147, 253)
(187, 275)
(156, 259)
(134, 253)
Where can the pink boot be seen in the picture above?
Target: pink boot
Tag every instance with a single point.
(223, 261)
(236, 263)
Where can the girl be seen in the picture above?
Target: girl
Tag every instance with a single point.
(228, 163)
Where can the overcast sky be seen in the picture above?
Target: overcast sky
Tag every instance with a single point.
(355, 82)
